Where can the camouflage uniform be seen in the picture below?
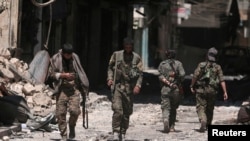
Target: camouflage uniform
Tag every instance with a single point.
(68, 92)
(128, 71)
(170, 97)
(69, 98)
(208, 75)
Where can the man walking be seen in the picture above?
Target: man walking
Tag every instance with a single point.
(70, 83)
(124, 77)
(205, 82)
(171, 76)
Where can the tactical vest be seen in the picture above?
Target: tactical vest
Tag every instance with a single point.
(126, 72)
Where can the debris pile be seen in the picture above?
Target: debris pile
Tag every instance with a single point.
(16, 81)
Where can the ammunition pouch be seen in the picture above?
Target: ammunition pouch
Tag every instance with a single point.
(118, 75)
(208, 82)
(206, 76)
(214, 83)
(134, 73)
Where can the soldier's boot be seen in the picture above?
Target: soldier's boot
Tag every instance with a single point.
(203, 126)
(172, 129)
(116, 136)
(71, 132)
(208, 123)
(123, 137)
(166, 126)
(64, 138)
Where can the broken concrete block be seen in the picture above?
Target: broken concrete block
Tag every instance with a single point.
(16, 87)
(37, 109)
(28, 89)
(5, 52)
(41, 99)
(6, 73)
(39, 87)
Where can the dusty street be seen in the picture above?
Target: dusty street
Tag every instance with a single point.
(145, 123)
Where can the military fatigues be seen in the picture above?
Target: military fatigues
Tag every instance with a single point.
(208, 76)
(68, 98)
(126, 71)
(170, 97)
(67, 92)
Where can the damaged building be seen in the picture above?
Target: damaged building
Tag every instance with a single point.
(96, 28)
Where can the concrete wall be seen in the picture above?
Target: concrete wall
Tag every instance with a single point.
(9, 23)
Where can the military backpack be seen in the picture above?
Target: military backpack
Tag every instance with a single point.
(208, 75)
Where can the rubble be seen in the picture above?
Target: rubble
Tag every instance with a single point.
(146, 122)
(15, 82)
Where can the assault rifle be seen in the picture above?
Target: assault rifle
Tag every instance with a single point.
(176, 75)
(114, 81)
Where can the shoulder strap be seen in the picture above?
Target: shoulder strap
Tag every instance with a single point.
(203, 68)
(114, 78)
(171, 64)
(119, 55)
